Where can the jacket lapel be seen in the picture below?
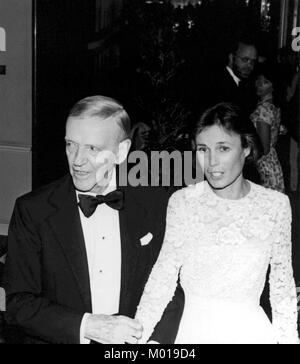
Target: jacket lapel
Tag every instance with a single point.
(66, 226)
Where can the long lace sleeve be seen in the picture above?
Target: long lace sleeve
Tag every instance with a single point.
(282, 285)
(162, 283)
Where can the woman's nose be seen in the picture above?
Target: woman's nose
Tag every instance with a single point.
(213, 159)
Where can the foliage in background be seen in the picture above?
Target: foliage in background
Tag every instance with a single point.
(161, 65)
(175, 49)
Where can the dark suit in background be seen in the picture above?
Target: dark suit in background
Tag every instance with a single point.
(223, 88)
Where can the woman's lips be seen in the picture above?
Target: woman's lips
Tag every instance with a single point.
(216, 175)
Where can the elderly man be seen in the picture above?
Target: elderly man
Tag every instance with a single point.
(81, 249)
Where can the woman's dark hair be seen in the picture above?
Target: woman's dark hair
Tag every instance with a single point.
(231, 119)
(271, 72)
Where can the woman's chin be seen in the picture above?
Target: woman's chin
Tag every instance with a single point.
(217, 184)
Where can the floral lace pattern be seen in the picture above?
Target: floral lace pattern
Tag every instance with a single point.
(221, 250)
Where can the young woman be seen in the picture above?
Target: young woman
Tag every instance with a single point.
(221, 236)
(267, 120)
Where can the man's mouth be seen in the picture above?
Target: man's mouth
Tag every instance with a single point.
(80, 173)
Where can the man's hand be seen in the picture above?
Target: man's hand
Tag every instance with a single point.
(113, 329)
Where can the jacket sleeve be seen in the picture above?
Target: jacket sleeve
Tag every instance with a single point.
(27, 307)
(166, 330)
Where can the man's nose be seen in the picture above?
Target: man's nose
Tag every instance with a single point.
(80, 157)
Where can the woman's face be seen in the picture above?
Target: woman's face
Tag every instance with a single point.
(263, 86)
(221, 156)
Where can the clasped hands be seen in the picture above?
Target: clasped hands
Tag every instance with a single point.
(106, 329)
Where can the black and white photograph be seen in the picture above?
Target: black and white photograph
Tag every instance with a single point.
(150, 174)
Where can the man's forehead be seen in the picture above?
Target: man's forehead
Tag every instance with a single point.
(93, 122)
(247, 49)
(93, 129)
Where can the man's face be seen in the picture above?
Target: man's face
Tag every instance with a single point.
(244, 61)
(91, 146)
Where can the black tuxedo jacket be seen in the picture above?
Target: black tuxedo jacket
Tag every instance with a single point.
(3, 245)
(223, 88)
(47, 277)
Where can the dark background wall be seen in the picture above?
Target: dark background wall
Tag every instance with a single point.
(74, 47)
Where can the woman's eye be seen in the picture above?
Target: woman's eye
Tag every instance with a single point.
(224, 149)
(201, 149)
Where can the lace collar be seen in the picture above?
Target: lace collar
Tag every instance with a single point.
(210, 191)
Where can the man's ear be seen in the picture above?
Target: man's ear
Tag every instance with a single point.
(124, 148)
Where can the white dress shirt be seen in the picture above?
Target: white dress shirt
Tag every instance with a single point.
(103, 245)
(235, 78)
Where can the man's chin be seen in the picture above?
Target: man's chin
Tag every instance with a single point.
(82, 187)
(245, 76)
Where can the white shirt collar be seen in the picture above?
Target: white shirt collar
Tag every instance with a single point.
(235, 78)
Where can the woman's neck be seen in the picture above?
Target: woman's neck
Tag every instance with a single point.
(268, 97)
(235, 191)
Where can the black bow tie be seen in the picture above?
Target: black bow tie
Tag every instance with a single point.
(88, 204)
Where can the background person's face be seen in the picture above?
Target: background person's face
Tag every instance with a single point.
(87, 140)
(244, 61)
(263, 86)
(221, 156)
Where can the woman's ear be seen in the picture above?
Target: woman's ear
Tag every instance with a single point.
(247, 152)
(124, 148)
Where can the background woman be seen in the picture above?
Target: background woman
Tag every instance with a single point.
(267, 120)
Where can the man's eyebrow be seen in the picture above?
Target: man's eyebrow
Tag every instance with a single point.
(85, 145)
(94, 145)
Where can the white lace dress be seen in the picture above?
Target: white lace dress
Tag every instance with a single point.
(222, 249)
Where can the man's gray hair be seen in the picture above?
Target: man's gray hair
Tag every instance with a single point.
(104, 108)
